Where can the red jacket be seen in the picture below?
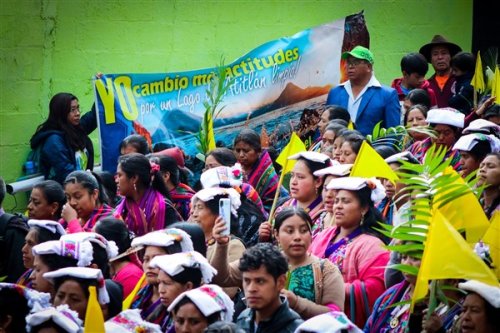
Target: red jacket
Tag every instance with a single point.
(396, 84)
(443, 96)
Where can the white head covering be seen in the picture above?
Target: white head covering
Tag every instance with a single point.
(491, 294)
(403, 156)
(85, 273)
(210, 193)
(446, 116)
(339, 170)
(173, 264)
(36, 300)
(469, 141)
(209, 299)
(331, 322)
(357, 183)
(52, 226)
(62, 315)
(130, 321)
(222, 176)
(109, 246)
(79, 250)
(481, 126)
(165, 238)
(311, 156)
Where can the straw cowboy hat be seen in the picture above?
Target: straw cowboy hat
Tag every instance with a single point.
(441, 41)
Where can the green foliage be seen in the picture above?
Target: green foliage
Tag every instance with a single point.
(396, 137)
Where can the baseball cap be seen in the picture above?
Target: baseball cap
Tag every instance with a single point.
(359, 52)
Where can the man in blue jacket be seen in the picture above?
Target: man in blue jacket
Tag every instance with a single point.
(367, 101)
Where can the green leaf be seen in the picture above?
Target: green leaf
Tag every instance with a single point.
(412, 270)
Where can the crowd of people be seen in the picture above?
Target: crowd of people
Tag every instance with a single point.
(148, 249)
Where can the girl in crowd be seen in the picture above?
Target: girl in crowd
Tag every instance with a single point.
(339, 141)
(257, 166)
(326, 218)
(180, 193)
(146, 205)
(331, 113)
(46, 201)
(388, 318)
(178, 273)
(225, 157)
(196, 309)
(305, 187)
(134, 143)
(331, 132)
(71, 285)
(350, 148)
(40, 231)
(125, 268)
(447, 123)
(416, 96)
(156, 243)
(86, 202)
(249, 216)
(414, 119)
(489, 174)
(63, 138)
(53, 255)
(308, 275)
(473, 148)
(206, 214)
(353, 244)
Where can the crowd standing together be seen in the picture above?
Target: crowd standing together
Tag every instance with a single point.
(150, 248)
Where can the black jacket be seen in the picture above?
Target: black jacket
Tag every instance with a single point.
(284, 320)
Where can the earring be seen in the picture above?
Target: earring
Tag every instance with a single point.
(362, 219)
(135, 187)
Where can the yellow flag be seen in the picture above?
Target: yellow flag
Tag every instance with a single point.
(293, 147)
(492, 239)
(94, 320)
(369, 163)
(495, 85)
(210, 131)
(465, 212)
(127, 302)
(448, 256)
(478, 79)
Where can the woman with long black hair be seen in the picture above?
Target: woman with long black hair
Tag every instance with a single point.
(63, 138)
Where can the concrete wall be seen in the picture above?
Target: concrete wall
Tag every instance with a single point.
(52, 46)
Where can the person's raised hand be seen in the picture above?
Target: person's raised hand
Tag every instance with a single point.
(68, 213)
(265, 232)
(218, 229)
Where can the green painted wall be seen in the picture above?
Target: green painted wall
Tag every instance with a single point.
(52, 46)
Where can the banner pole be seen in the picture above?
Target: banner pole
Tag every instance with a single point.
(276, 196)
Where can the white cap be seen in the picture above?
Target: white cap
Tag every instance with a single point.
(85, 273)
(209, 299)
(36, 300)
(339, 170)
(469, 141)
(130, 321)
(357, 183)
(481, 126)
(109, 246)
(62, 316)
(403, 156)
(491, 294)
(222, 176)
(446, 116)
(52, 226)
(79, 250)
(311, 156)
(173, 264)
(331, 322)
(165, 238)
(208, 194)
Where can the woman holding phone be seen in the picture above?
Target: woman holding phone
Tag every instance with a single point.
(205, 211)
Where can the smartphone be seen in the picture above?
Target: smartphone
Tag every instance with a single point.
(225, 213)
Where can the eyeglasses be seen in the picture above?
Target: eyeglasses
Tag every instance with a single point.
(354, 62)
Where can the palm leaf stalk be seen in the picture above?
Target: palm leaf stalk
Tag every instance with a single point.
(216, 90)
(428, 187)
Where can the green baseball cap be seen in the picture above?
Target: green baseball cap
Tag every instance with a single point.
(359, 52)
